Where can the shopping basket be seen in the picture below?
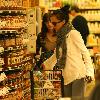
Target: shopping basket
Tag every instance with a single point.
(46, 84)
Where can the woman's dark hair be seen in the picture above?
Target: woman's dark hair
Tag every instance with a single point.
(75, 8)
(44, 29)
(66, 9)
(60, 15)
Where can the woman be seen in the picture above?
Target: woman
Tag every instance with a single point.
(72, 56)
(46, 40)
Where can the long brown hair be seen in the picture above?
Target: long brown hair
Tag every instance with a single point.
(44, 29)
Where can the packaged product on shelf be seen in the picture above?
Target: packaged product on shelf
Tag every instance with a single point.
(15, 61)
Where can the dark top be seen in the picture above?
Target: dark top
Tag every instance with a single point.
(80, 24)
(45, 53)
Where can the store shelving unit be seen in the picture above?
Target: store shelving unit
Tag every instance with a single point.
(93, 42)
(15, 61)
(97, 67)
(93, 18)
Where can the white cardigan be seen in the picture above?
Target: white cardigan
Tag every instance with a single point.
(78, 62)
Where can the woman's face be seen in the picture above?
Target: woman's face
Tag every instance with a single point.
(49, 25)
(57, 24)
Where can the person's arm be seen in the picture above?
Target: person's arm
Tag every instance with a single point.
(77, 39)
(50, 62)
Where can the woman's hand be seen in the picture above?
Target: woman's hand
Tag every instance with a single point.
(88, 79)
(37, 56)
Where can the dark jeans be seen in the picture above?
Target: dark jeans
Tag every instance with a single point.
(75, 89)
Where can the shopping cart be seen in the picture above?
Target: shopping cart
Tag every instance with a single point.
(46, 85)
